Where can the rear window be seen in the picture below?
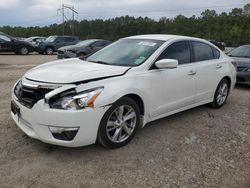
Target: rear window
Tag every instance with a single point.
(202, 51)
(216, 53)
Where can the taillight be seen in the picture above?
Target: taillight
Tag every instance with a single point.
(234, 64)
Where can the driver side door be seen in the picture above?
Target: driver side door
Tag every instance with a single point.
(173, 89)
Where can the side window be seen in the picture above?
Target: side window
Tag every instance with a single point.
(202, 51)
(98, 44)
(69, 39)
(107, 43)
(59, 39)
(4, 38)
(179, 51)
(216, 53)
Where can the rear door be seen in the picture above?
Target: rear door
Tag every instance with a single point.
(59, 42)
(208, 68)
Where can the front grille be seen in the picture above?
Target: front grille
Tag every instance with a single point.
(240, 68)
(28, 96)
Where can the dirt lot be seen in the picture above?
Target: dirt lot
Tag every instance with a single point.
(201, 147)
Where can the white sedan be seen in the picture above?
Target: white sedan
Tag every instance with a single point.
(107, 96)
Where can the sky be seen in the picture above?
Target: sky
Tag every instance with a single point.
(45, 12)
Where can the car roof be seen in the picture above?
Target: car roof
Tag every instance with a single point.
(162, 37)
(97, 39)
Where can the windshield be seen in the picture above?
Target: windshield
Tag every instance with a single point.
(50, 39)
(85, 42)
(126, 52)
(242, 51)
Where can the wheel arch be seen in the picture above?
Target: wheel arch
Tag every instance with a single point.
(228, 79)
(49, 46)
(138, 100)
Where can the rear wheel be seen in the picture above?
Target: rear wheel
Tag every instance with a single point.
(119, 124)
(24, 51)
(49, 51)
(221, 94)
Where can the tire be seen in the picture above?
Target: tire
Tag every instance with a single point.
(120, 131)
(24, 51)
(49, 51)
(221, 94)
(41, 53)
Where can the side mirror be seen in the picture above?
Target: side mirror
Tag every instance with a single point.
(166, 64)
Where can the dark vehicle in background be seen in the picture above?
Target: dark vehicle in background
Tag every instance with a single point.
(82, 48)
(220, 45)
(10, 44)
(241, 57)
(35, 40)
(53, 43)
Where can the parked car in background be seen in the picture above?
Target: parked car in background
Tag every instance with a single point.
(10, 44)
(35, 40)
(82, 48)
(53, 43)
(241, 56)
(107, 96)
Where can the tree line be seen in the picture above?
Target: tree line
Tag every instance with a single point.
(233, 28)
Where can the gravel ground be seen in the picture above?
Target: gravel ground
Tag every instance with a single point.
(201, 147)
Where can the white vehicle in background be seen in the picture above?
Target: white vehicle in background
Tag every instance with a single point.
(35, 40)
(110, 94)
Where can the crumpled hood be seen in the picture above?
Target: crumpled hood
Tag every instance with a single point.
(72, 70)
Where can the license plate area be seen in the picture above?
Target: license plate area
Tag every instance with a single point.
(15, 109)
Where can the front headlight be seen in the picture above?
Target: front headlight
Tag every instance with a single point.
(77, 101)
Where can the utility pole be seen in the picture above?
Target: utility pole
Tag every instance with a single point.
(64, 17)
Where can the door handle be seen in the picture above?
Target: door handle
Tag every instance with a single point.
(190, 73)
(218, 66)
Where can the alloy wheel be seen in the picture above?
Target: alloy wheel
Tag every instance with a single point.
(222, 93)
(24, 51)
(121, 123)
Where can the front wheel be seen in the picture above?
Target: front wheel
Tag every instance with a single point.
(49, 51)
(119, 124)
(24, 51)
(221, 94)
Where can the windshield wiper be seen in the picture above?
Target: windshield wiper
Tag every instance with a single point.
(239, 56)
(100, 62)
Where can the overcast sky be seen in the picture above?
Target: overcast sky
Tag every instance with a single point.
(44, 12)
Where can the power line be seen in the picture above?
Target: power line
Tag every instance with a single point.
(64, 17)
(117, 13)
